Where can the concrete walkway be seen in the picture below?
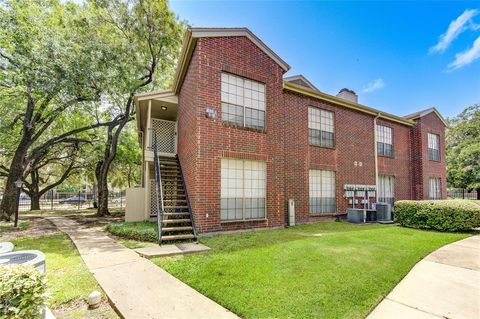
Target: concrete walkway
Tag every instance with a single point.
(135, 286)
(446, 284)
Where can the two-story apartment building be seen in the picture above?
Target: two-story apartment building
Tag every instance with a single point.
(249, 139)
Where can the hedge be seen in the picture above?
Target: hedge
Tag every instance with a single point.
(441, 215)
(142, 231)
(22, 292)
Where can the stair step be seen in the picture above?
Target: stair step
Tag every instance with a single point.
(173, 237)
(180, 228)
(167, 207)
(175, 221)
(177, 214)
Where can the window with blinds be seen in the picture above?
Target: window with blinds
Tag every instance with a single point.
(384, 140)
(243, 101)
(322, 192)
(435, 188)
(321, 128)
(386, 186)
(433, 147)
(242, 189)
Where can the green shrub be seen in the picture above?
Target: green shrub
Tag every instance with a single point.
(142, 231)
(22, 292)
(441, 215)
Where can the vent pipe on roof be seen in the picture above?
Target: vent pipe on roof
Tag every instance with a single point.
(348, 95)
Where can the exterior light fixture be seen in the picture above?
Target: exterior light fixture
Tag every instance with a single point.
(19, 183)
(164, 107)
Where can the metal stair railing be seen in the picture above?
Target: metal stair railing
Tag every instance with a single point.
(159, 191)
(188, 201)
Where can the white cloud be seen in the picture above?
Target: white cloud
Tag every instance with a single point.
(457, 26)
(466, 57)
(374, 85)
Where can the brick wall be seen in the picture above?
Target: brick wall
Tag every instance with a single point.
(239, 56)
(400, 164)
(422, 166)
(283, 145)
(187, 129)
(353, 143)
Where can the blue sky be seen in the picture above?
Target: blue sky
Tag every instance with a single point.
(398, 56)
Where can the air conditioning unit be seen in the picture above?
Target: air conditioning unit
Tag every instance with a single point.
(384, 213)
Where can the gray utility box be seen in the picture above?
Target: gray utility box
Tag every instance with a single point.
(291, 212)
(355, 215)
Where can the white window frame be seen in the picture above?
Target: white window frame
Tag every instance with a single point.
(244, 187)
(435, 188)
(249, 95)
(433, 147)
(384, 137)
(317, 189)
(386, 189)
(321, 122)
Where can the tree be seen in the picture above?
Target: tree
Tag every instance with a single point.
(125, 171)
(48, 65)
(145, 37)
(463, 150)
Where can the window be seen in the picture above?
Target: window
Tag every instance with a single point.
(322, 192)
(435, 190)
(242, 189)
(386, 185)
(433, 147)
(243, 102)
(321, 130)
(384, 141)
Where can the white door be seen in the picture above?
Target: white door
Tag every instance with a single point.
(165, 133)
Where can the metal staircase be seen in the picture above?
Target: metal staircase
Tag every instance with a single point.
(174, 215)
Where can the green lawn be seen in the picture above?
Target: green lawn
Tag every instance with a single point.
(69, 280)
(324, 270)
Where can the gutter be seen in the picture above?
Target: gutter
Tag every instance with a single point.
(375, 149)
(342, 102)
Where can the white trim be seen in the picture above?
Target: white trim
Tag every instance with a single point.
(239, 32)
(419, 114)
(301, 78)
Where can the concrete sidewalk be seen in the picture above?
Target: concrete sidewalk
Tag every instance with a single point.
(135, 286)
(446, 284)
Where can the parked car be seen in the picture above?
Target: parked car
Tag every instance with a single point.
(24, 198)
(73, 200)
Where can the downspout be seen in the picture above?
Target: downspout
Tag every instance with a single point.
(376, 156)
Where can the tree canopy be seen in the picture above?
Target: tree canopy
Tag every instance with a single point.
(463, 149)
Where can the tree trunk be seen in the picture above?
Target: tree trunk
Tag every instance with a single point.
(101, 174)
(35, 201)
(9, 201)
(478, 193)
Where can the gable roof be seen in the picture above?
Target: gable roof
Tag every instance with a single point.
(302, 79)
(422, 113)
(193, 34)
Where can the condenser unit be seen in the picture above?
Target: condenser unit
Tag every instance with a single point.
(384, 212)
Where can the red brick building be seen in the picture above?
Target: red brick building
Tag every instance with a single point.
(249, 139)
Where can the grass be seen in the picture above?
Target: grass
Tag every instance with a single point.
(139, 231)
(8, 226)
(324, 270)
(69, 280)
